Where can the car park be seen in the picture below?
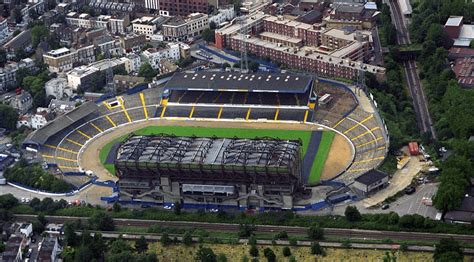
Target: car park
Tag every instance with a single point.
(410, 190)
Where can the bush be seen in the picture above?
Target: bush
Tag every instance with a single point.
(246, 230)
(352, 214)
(293, 241)
(187, 239)
(101, 221)
(316, 249)
(253, 251)
(165, 240)
(406, 221)
(281, 235)
(269, 254)
(286, 252)
(252, 241)
(315, 232)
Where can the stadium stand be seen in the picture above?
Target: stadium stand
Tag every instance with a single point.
(60, 141)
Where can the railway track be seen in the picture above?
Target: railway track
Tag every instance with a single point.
(332, 232)
(414, 85)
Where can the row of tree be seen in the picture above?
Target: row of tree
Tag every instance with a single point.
(34, 176)
(450, 105)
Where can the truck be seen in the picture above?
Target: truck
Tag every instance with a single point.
(413, 148)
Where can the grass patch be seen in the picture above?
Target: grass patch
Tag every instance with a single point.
(321, 156)
(303, 135)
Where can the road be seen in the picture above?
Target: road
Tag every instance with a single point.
(332, 232)
(413, 81)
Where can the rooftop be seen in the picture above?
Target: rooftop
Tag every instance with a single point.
(234, 81)
(454, 21)
(371, 177)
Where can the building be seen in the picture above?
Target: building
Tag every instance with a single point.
(114, 24)
(64, 59)
(14, 249)
(146, 25)
(61, 106)
(49, 250)
(133, 63)
(3, 29)
(253, 24)
(166, 66)
(154, 55)
(21, 41)
(26, 229)
(178, 8)
(58, 88)
(92, 75)
(178, 29)
(124, 83)
(132, 43)
(371, 181)
(464, 214)
(22, 102)
(462, 34)
(351, 14)
(41, 118)
(9, 71)
(231, 172)
(225, 13)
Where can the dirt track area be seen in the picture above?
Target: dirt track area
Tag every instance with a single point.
(89, 157)
(338, 159)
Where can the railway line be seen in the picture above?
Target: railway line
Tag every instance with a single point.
(332, 232)
(414, 84)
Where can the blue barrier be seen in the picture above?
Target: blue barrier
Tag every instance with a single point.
(74, 174)
(207, 49)
(137, 89)
(107, 183)
(38, 190)
(332, 183)
(104, 97)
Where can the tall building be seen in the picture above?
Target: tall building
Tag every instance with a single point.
(152, 4)
(178, 8)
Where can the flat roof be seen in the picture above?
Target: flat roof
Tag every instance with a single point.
(238, 82)
(454, 21)
(371, 177)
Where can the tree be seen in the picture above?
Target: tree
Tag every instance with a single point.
(293, 242)
(38, 33)
(352, 214)
(16, 14)
(252, 240)
(83, 253)
(406, 221)
(448, 248)
(281, 235)
(98, 245)
(221, 257)
(141, 245)
(187, 238)
(315, 232)
(316, 249)
(38, 228)
(177, 208)
(253, 251)
(69, 234)
(212, 25)
(253, 66)
(286, 252)
(42, 219)
(165, 240)
(116, 207)
(8, 201)
(208, 35)
(205, 254)
(3, 57)
(8, 117)
(269, 254)
(246, 230)
(404, 247)
(101, 221)
(147, 72)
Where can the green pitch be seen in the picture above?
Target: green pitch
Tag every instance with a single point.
(321, 156)
(302, 135)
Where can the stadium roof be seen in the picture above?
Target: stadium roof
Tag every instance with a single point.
(41, 135)
(238, 82)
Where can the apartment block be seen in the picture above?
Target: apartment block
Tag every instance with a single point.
(178, 29)
(155, 55)
(181, 7)
(64, 59)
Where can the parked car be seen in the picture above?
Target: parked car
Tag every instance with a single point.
(386, 206)
(410, 190)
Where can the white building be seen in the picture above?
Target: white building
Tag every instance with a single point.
(22, 102)
(83, 75)
(115, 24)
(3, 29)
(179, 29)
(9, 71)
(26, 229)
(133, 63)
(155, 55)
(147, 25)
(58, 87)
(63, 59)
(152, 4)
(226, 13)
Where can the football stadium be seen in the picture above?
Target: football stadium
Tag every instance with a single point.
(221, 139)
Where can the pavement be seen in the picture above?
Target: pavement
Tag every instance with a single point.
(400, 180)
(91, 194)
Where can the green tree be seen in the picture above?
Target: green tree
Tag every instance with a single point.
(3, 57)
(147, 72)
(252, 240)
(316, 249)
(116, 207)
(141, 245)
(253, 251)
(448, 248)
(83, 253)
(38, 33)
(177, 208)
(208, 35)
(101, 221)
(221, 257)
(8, 117)
(269, 254)
(38, 228)
(352, 214)
(205, 254)
(165, 240)
(286, 252)
(315, 232)
(187, 238)
(246, 230)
